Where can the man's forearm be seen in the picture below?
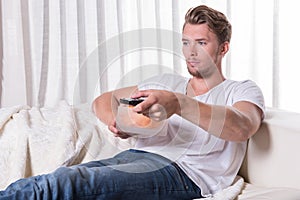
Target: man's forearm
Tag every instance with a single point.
(105, 107)
(226, 122)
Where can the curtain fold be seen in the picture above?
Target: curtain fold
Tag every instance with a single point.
(227, 69)
(64, 50)
(275, 63)
(27, 50)
(120, 29)
(1, 53)
(176, 29)
(102, 81)
(43, 83)
(82, 52)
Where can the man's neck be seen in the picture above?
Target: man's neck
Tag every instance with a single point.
(198, 86)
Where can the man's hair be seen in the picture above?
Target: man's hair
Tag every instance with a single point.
(216, 21)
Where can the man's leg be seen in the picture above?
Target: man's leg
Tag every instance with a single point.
(129, 175)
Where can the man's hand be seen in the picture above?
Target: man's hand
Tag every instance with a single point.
(112, 126)
(158, 105)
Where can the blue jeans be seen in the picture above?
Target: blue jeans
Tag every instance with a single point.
(130, 175)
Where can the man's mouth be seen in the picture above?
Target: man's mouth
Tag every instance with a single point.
(193, 62)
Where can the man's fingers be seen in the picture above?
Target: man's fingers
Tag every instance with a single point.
(144, 106)
(113, 129)
(157, 112)
(141, 93)
(118, 133)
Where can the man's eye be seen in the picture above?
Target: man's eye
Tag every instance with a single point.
(202, 43)
(185, 43)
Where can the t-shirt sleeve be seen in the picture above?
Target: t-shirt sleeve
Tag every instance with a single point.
(250, 92)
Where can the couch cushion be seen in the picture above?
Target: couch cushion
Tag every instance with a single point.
(273, 152)
(251, 192)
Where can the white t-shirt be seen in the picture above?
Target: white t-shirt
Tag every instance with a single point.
(212, 163)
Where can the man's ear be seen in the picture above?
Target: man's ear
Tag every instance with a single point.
(224, 48)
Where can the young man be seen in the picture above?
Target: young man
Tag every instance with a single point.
(209, 119)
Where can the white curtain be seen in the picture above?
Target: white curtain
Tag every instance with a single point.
(73, 50)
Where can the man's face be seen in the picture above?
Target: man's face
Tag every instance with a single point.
(201, 50)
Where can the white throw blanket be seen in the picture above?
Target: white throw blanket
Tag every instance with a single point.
(231, 192)
(38, 140)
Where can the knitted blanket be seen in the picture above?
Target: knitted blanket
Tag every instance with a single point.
(38, 140)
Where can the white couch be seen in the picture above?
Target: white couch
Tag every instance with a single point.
(272, 166)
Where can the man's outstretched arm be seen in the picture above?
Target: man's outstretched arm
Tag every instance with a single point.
(235, 123)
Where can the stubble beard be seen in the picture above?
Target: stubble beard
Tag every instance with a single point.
(202, 74)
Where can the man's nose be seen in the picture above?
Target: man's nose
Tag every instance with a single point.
(193, 49)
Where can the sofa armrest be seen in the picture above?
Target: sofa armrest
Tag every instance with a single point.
(272, 157)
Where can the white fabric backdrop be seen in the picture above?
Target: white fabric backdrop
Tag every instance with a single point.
(74, 50)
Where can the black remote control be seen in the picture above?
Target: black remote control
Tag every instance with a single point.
(130, 101)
